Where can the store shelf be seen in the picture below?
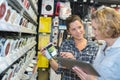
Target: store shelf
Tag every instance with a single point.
(8, 60)
(8, 27)
(17, 38)
(25, 30)
(36, 12)
(19, 74)
(14, 28)
(19, 7)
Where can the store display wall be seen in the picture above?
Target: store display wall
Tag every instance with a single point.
(18, 40)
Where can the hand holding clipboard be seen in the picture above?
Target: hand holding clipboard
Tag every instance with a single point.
(86, 67)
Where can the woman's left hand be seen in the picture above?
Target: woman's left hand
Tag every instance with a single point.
(67, 55)
(82, 74)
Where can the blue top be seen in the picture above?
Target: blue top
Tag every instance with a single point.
(107, 62)
(87, 54)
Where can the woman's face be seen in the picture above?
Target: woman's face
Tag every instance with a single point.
(96, 31)
(76, 30)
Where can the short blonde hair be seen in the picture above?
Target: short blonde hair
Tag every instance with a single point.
(108, 20)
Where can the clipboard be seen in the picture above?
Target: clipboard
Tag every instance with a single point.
(86, 67)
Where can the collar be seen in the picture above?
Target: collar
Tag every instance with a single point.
(116, 43)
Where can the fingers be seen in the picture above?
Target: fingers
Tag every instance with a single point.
(42, 50)
(63, 54)
(67, 55)
(80, 73)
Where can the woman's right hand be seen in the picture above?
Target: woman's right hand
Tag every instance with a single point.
(82, 74)
(45, 53)
(42, 50)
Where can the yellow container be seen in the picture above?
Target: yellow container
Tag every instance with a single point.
(45, 24)
(43, 40)
(42, 61)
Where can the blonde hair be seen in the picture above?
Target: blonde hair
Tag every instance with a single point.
(108, 20)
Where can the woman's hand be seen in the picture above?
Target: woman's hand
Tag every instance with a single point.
(67, 55)
(82, 74)
(42, 51)
(46, 54)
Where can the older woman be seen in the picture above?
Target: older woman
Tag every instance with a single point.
(106, 26)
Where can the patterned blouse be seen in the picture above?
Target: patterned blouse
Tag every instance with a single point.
(87, 54)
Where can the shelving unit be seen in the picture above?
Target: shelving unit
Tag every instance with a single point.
(18, 42)
(17, 5)
(33, 6)
(13, 28)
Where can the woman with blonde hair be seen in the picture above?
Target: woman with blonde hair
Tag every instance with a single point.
(106, 26)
